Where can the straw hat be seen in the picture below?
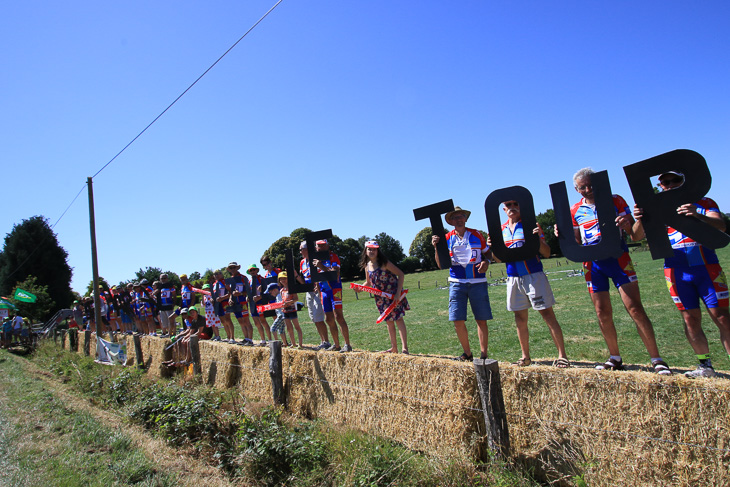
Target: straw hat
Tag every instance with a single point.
(457, 209)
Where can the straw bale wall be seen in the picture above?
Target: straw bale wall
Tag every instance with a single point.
(627, 428)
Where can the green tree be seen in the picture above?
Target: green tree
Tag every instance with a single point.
(32, 249)
(349, 252)
(547, 222)
(422, 249)
(42, 309)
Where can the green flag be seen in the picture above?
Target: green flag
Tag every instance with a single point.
(24, 296)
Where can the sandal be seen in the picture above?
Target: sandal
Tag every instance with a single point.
(661, 367)
(390, 350)
(611, 364)
(405, 351)
(465, 358)
(523, 362)
(562, 363)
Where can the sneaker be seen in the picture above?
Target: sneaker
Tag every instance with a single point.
(247, 342)
(332, 348)
(611, 364)
(701, 371)
(323, 346)
(231, 341)
(216, 339)
(661, 367)
(263, 343)
(346, 348)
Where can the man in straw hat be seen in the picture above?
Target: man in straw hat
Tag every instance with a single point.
(467, 279)
(694, 274)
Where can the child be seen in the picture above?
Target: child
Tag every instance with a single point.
(278, 325)
(385, 276)
(211, 318)
(290, 308)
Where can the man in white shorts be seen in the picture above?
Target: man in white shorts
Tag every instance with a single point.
(527, 286)
(314, 302)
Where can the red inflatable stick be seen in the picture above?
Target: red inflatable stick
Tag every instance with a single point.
(267, 307)
(390, 308)
(196, 290)
(371, 290)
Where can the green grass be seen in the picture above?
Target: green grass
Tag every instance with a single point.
(42, 442)
(430, 332)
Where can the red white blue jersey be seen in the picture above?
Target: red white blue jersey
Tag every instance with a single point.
(304, 270)
(219, 289)
(585, 218)
(333, 262)
(688, 252)
(186, 293)
(241, 285)
(516, 238)
(466, 254)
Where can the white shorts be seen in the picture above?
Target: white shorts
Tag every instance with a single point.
(530, 290)
(314, 306)
(165, 318)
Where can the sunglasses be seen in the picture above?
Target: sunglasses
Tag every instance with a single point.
(585, 187)
(511, 204)
(668, 181)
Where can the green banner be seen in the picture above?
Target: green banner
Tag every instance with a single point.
(4, 303)
(24, 296)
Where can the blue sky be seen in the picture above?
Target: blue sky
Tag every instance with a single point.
(341, 115)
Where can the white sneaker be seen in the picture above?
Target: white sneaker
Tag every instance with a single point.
(701, 371)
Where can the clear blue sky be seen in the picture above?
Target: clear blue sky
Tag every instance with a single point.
(331, 114)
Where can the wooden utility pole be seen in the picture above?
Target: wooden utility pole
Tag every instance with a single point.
(94, 264)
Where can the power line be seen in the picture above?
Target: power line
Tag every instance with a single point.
(147, 127)
(188, 88)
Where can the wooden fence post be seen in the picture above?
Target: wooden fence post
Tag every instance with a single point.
(275, 371)
(138, 352)
(195, 352)
(495, 418)
(73, 340)
(87, 339)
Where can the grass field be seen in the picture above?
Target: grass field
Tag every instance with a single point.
(430, 332)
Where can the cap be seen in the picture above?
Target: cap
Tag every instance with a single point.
(193, 308)
(372, 244)
(206, 286)
(183, 276)
(271, 286)
(303, 245)
(321, 242)
(282, 274)
(671, 172)
(252, 266)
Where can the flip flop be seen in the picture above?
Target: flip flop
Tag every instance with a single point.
(522, 362)
(562, 363)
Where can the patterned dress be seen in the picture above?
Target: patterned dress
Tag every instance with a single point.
(385, 280)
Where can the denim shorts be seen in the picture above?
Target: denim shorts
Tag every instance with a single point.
(476, 294)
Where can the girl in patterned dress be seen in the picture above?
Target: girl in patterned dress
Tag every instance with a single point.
(384, 275)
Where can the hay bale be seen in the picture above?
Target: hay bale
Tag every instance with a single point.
(425, 403)
(629, 428)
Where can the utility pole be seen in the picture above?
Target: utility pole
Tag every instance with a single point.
(94, 264)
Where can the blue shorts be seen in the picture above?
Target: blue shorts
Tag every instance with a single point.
(687, 285)
(331, 299)
(125, 317)
(477, 294)
(239, 310)
(598, 272)
(254, 310)
(290, 315)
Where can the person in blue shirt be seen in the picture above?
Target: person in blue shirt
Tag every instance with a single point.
(527, 286)
(469, 254)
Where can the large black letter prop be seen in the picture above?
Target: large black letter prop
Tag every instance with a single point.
(660, 209)
(433, 213)
(610, 244)
(522, 195)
